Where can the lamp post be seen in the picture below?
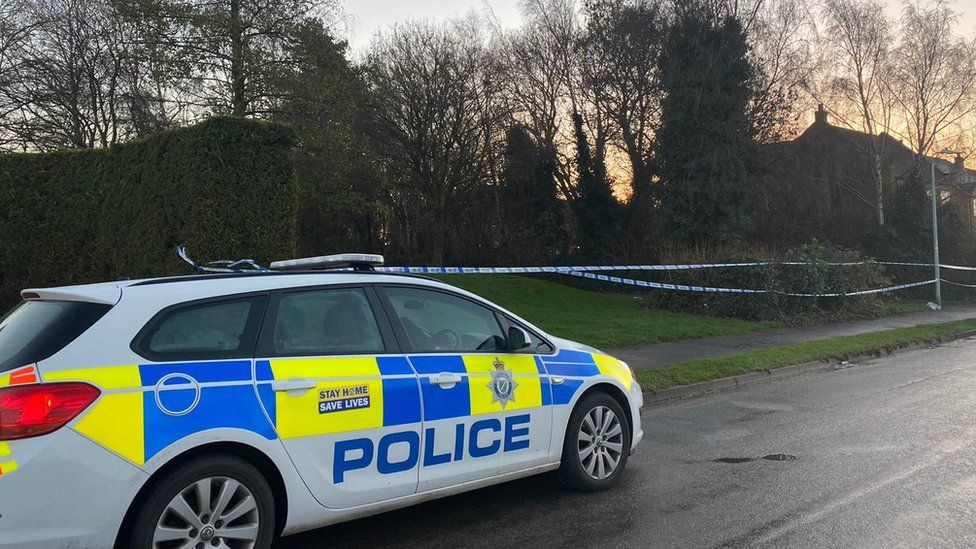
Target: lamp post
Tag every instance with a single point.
(935, 235)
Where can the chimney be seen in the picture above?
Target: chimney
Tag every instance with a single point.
(959, 163)
(821, 115)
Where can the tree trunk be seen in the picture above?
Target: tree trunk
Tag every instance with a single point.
(879, 185)
(238, 82)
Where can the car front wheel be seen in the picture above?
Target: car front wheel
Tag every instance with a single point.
(215, 501)
(597, 444)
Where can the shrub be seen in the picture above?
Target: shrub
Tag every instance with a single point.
(224, 187)
(816, 277)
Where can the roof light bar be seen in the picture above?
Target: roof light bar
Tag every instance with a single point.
(336, 261)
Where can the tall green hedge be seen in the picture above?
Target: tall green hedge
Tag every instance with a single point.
(225, 188)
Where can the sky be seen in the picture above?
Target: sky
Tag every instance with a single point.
(365, 17)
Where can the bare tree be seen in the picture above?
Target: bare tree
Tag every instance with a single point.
(783, 50)
(539, 60)
(67, 90)
(233, 51)
(620, 50)
(961, 136)
(15, 29)
(157, 72)
(436, 113)
(934, 75)
(860, 40)
(91, 73)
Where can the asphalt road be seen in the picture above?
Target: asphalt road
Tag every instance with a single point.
(885, 457)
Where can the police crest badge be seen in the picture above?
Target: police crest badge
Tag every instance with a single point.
(502, 384)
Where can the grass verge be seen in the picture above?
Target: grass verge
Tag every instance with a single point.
(839, 348)
(600, 319)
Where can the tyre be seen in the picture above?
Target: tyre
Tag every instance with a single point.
(213, 501)
(597, 444)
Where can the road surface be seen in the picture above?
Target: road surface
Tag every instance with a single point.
(885, 456)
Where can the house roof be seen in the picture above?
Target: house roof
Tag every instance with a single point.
(896, 154)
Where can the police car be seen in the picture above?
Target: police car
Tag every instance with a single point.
(226, 408)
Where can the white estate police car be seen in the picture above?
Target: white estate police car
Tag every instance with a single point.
(220, 410)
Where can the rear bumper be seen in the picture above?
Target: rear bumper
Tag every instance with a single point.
(66, 492)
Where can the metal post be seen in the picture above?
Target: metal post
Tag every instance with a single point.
(935, 240)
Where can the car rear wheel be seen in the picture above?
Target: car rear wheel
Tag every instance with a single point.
(215, 501)
(597, 444)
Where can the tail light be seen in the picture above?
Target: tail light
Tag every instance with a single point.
(33, 410)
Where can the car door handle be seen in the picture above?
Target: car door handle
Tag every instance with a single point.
(293, 385)
(446, 380)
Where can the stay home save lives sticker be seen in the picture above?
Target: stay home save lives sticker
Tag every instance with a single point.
(338, 399)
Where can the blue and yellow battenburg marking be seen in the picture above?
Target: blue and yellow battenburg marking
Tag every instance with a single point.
(128, 420)
(382, 392)
(472, 396)
(574, 366)
(358, 393)
(7, 463)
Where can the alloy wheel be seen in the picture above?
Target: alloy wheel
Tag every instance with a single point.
(600, 442)
(212, 512)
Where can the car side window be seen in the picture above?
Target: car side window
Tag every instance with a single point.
(324, 322)
(440, 322)
(206, 330)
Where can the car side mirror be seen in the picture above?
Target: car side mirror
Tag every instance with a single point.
(518, 339)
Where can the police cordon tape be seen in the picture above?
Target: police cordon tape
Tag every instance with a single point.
(955, 268)
(591, 272)
(960, 284)
(708, 289)
(677, 267)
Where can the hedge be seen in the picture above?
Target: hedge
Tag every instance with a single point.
(815, 275)
(224, 187)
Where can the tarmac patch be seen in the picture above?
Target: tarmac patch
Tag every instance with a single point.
(767, 457)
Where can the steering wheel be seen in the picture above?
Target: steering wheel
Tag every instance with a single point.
(451, 340)
(418, 337)
(493, 343)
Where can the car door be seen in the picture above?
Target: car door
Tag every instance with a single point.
(486, 409)
(345, 404)
(197, 377)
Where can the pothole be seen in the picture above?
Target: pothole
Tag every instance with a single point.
(767, 457)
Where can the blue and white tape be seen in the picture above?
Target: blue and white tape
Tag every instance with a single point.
(665, 267)
(592, 272)
(565, 269)
(708, 289)
(868, 292)
(956, 268)
(660, 285)
(960, 284)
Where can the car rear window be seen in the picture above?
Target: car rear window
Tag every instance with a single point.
(211, 330)
(35, 330)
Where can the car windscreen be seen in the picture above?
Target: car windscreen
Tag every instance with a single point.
(35, 330)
